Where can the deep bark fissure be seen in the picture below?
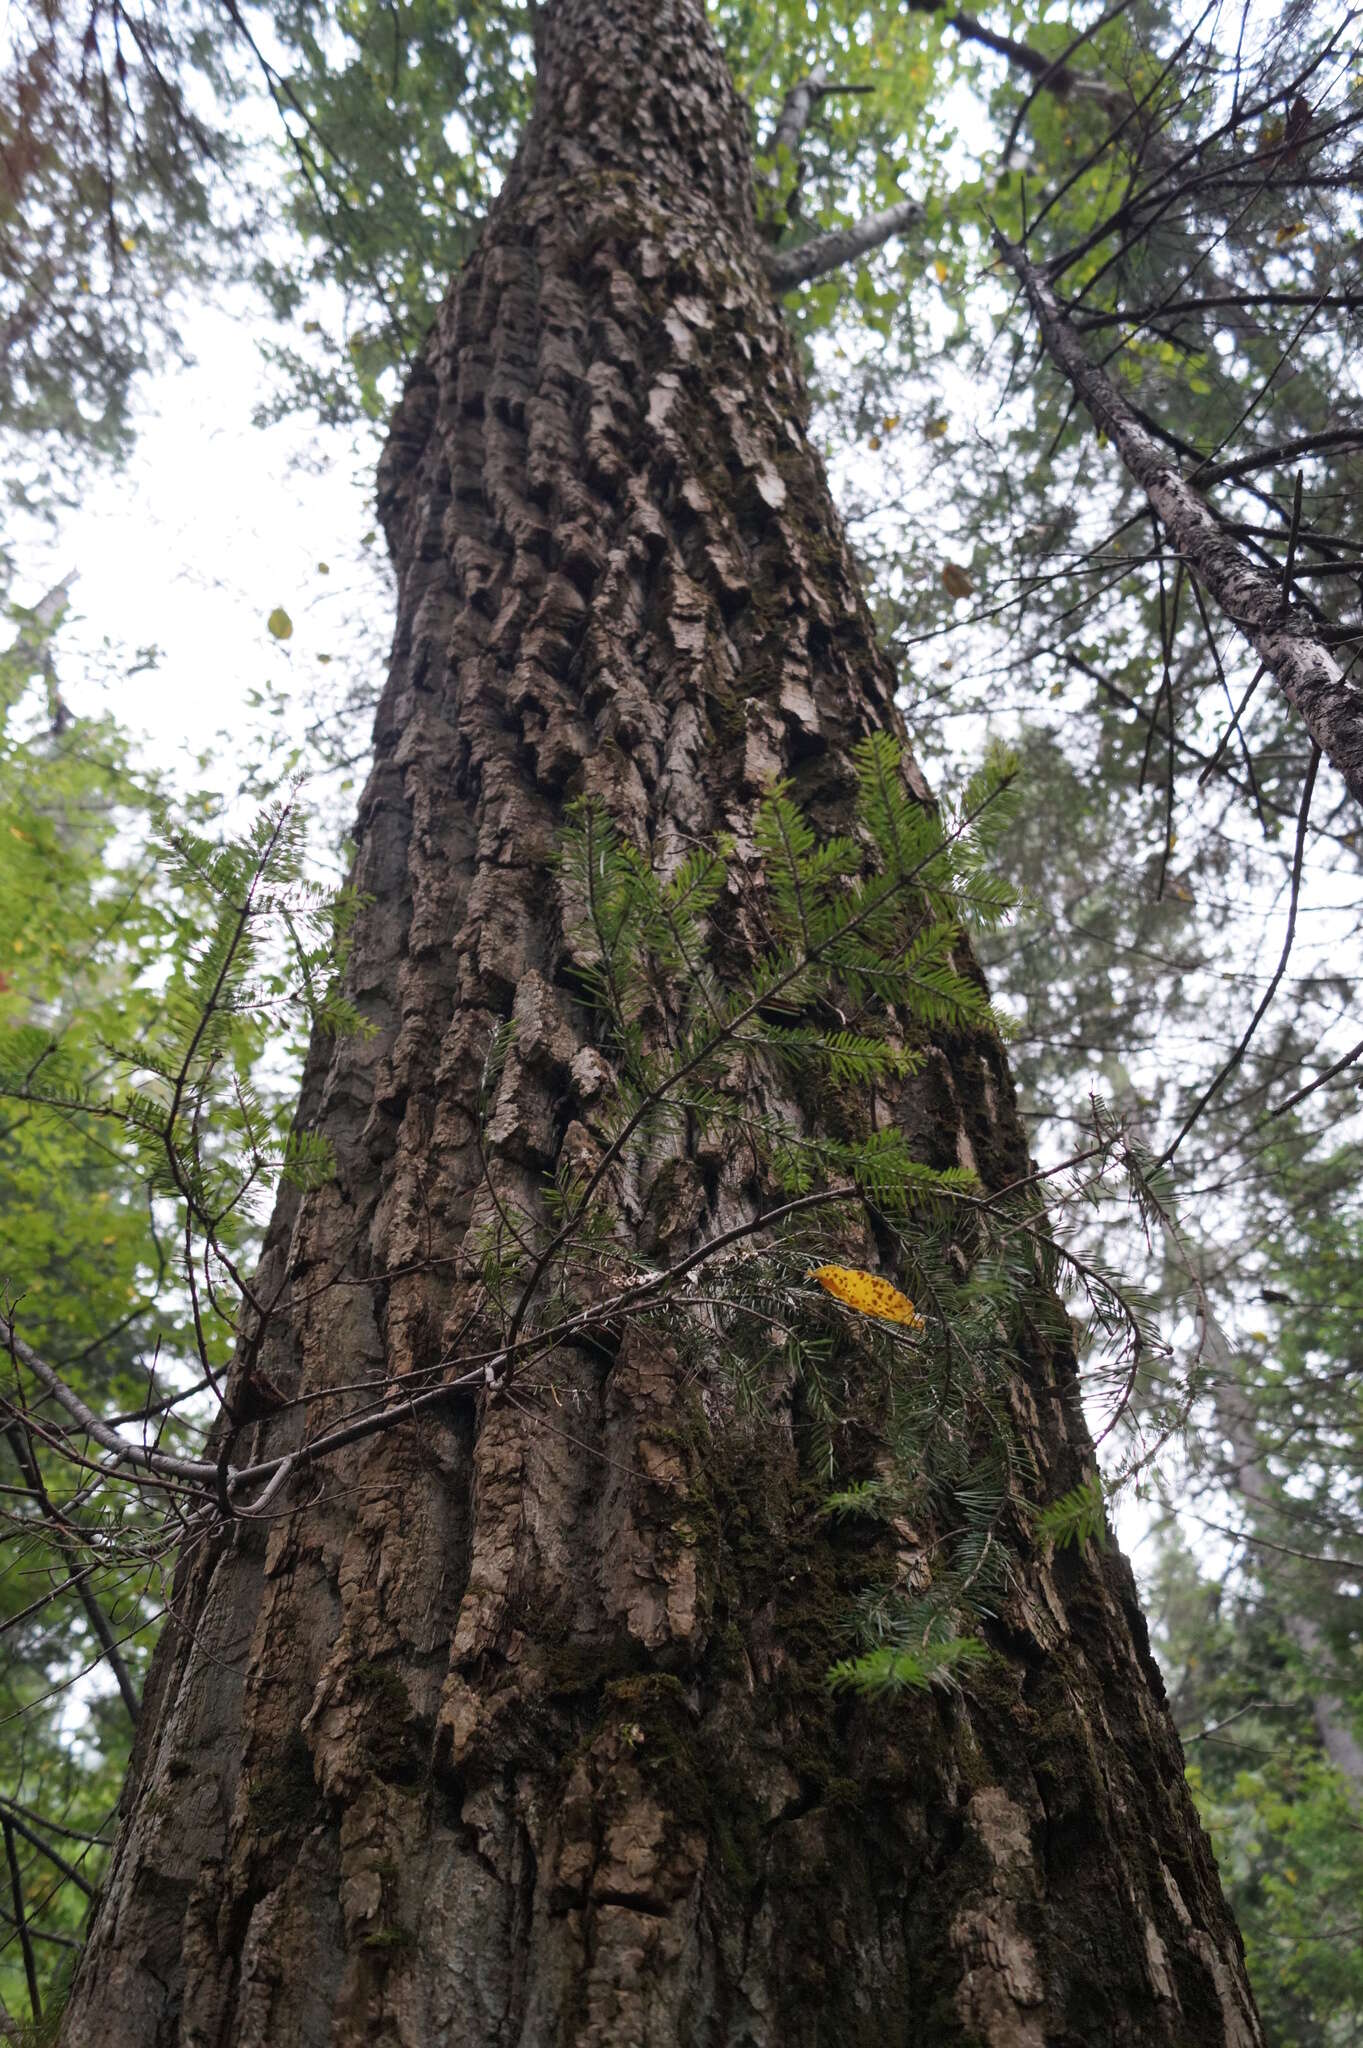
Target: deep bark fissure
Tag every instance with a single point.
(513, 1728)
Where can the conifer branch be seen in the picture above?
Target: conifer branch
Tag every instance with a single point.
(1287, 641)
(846, 920)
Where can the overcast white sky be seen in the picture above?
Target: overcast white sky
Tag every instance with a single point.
(213, 524)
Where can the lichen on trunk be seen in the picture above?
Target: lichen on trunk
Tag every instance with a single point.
(511, 1725)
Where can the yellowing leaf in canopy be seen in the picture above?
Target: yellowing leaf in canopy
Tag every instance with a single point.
(280, 624)
(868, 1294)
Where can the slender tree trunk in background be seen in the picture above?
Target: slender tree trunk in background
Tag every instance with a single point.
(1235, 1420)
(514, 1730)
(1247, 1473)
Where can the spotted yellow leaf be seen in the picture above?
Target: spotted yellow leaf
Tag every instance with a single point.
(868, 1294)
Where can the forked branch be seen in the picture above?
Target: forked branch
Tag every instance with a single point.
(1282, 634)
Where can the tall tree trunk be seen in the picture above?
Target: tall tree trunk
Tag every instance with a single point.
(491, 1739)
(1247, 1473)
(1250, 1475)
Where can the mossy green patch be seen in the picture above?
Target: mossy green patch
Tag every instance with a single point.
(694, 1780)
(393, 1742)
(389, 1940)
(587, 1666)
(283, 1792)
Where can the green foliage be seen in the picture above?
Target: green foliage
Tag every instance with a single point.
(1282, 1817)
(852, 964)
(1252, 1328)
(1077, 1517)
(84, 931)
(895, 1670)
(863, 1497)
(399, 126)
(178, 1093)
(116, 157)
(79, 1261)
(859, 960)
(152, 982)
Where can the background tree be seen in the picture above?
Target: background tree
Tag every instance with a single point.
(100, 950)
(83, 1265)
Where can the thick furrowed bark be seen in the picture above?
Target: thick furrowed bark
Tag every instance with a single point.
(513, 1729)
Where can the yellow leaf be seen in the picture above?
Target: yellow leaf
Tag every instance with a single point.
(280, 624)
(942, 272)
(129, 244)
(868, 1294)
(936, 428)
(957, 580)
(889, 423)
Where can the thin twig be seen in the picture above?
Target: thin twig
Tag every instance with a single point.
(1307, 671)
(16, 1885)
(1224, 1073)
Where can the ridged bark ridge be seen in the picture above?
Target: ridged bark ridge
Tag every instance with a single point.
(513, 1728)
